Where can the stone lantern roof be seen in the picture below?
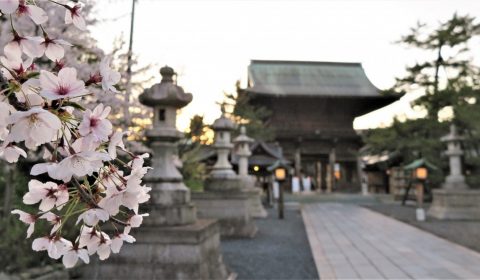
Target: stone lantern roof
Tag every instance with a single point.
(166, 92)
(243, 138)
(223, 124)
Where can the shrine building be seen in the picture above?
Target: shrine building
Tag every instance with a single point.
(313, 105)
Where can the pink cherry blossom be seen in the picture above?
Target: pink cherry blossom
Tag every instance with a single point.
(28, 219)
(46, 112)
(48, 194)
(109, 77)
(35, 126)
(72, 15)
(37, 14)
(13, 65)
(95, 124)
(65, 85)
(9, 6)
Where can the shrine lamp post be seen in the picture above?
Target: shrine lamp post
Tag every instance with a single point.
(419, 169)
(280, 171)
(420, 175)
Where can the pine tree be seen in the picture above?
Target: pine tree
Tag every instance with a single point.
(449, 80)
(253, 117)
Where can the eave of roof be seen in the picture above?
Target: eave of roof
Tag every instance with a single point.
(308, 78)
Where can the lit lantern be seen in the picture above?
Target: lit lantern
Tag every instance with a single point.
(421, 173)
(337, 172)
(280, 174)
(256, 168)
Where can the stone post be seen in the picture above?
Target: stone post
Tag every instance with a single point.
(172, 243)
(455, 201)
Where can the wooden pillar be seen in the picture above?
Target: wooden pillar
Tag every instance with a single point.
(362, 176)
(298, 162)
(331, 170)
(318, 175)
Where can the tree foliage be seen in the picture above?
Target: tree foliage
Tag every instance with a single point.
(450, 82)
(253, 117)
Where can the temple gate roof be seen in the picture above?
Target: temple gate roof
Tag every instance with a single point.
(302, 78)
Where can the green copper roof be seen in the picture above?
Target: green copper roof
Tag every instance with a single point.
(333, 79)
(420, 163)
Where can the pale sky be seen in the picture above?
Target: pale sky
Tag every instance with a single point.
(210, 43)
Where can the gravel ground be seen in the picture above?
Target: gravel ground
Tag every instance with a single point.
(464, 233)
(280, 250)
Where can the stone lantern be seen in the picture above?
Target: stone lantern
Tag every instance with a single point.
(455, 200)
(248, 182)
(455, 180)
(222, 144)
(225, 197)
(169, 195)
(243, 151)
(172, 243)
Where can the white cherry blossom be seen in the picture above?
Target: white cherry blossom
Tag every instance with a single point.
(72, 15)
(53, 220)
(4, 114)
(35, 13)
(109, 76)
(65, 85)
(72, 254)
(138, 161)
(137, 219)
(27, 93)
(118, 239)
(28, 45)
(92, 216)
(116, 140)
(79, 164)
(96, 242)
(11, 153)
(55, 247)
(52, 48)
(9, 6)
(49, 195)
(35, 126)
(28, 219)
(44, 167)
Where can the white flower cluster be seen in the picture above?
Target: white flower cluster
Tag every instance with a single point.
(88, 186)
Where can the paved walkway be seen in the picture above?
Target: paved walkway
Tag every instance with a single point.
(280, 250)
(350, 242)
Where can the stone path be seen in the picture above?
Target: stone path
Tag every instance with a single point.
(350, 242)
(280, 250)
